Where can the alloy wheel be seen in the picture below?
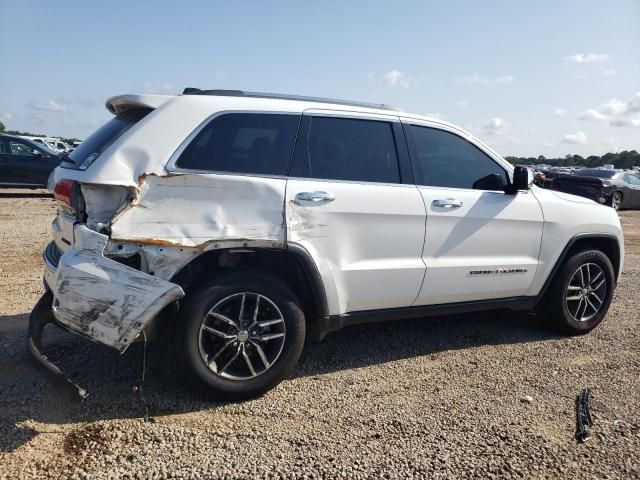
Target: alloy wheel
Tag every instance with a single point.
(586, 292)
(616, 200)
(242, 336)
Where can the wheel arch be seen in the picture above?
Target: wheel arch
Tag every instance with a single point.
(607, 243)
(293, 265)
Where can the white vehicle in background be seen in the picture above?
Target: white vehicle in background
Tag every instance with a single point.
(52, 143)
(238, 224)
(59, 145)
(42, 141)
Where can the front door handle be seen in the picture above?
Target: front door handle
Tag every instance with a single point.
(315, 197)
(447, 203)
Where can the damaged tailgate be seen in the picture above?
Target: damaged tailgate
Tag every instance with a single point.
(105, 300)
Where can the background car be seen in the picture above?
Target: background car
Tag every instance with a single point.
(24, 163)
(624, 185)
(616, 188)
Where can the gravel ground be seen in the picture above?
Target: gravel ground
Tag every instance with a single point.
(435, 398)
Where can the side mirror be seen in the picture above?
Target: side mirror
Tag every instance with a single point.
(522, 180)
(36, 152)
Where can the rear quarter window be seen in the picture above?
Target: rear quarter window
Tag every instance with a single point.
(248, 143)
(91, 148)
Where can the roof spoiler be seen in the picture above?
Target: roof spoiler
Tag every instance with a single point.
(122, 103)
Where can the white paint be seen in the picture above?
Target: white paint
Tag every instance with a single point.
(491, 230)
(565, 217)
(199, 209)
(367, 242)
(374, 244)
(102, 299)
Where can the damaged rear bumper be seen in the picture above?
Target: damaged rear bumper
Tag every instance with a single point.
(97, 297)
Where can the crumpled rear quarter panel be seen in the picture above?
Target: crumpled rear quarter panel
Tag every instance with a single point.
(194, 210)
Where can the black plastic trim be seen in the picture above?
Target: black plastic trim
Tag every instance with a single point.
(402, 150)
(314, 278)
(39, 318)
(581, 236)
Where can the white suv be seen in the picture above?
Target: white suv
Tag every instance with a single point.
(237, 224)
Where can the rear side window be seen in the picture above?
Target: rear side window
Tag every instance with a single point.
(447, 160)
(101, 139)
(259, 143)
(348, 149)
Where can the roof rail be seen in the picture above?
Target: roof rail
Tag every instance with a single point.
(280, 96)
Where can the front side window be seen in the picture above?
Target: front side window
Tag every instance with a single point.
(348, 149)
(446, 160)
(253, 143)
(20, 148)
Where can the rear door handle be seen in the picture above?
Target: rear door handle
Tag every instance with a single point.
(447, 203)
(315, 197)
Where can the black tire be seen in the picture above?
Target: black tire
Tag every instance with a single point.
(559, 313)
(187, 333)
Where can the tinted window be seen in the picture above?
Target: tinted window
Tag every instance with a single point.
(447, 160)
(100, 140)
(243, 143)
(17, 147)
(348, 149)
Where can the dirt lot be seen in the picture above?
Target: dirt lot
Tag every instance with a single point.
(413, 399)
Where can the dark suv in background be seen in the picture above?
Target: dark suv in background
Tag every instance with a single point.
(24, 163)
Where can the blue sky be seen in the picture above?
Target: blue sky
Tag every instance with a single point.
(529, 78)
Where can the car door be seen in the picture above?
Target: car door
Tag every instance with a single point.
(30, 164)
(351, 203)
(7, 171)
(633, 190)
(481, 243)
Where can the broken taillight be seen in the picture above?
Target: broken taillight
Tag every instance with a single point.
(64, 191)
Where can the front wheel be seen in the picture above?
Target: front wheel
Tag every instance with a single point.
(579, 297)
(616, 200)
(239, 335)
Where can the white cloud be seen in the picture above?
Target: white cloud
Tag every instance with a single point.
(462, 104)
(164, 88)
(49, 106)
(592, 114)
(559, 112)
(496, 126)
(484, 80)
(610, 72)
(587, 58)
(435, 115)
(575, 138)
(396, 78)
(617, 112)
(8, 116)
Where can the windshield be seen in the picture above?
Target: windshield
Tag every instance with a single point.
(595, 173)
(91, 148)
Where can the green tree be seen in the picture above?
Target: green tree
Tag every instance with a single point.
(1, 127)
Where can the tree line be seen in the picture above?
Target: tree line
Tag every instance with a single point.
(625, 160)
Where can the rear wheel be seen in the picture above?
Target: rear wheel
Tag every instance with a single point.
(579, 297)
(239, 336)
